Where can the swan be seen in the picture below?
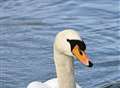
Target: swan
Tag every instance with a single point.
(67, 46)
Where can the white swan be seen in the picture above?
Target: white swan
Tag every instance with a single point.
(67, 45)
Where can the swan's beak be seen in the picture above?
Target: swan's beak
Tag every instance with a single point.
(81, 56)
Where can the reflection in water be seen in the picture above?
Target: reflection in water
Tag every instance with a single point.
(112, 85)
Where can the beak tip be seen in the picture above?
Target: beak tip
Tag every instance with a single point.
(90, 64)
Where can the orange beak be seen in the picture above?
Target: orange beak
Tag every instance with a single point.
(81, 56)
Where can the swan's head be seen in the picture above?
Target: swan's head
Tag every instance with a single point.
(69, 42)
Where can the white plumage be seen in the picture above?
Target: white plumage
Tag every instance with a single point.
(63, 58)
(48, 84)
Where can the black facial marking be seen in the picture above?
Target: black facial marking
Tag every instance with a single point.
(80, 43)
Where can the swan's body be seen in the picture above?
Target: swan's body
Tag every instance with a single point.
(52, 83)
(67, 45)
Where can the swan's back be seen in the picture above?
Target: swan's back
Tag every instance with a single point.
(48, 84)
(37, 84)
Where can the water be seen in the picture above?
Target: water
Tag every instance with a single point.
(28, 29)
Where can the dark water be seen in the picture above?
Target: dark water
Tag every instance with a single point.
(27, 31)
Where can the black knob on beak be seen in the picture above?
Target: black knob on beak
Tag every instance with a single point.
(90, 64)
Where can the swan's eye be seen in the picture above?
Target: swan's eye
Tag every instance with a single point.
(68, 40)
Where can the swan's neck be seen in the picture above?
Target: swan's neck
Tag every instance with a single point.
(64, 70)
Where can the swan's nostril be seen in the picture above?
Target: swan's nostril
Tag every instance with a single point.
(90, 64)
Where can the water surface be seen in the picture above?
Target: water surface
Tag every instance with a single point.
(28, 29)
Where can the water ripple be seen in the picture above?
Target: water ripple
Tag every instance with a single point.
(27, 31)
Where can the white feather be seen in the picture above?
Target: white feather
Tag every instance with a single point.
(48, 84)
(62, 46)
